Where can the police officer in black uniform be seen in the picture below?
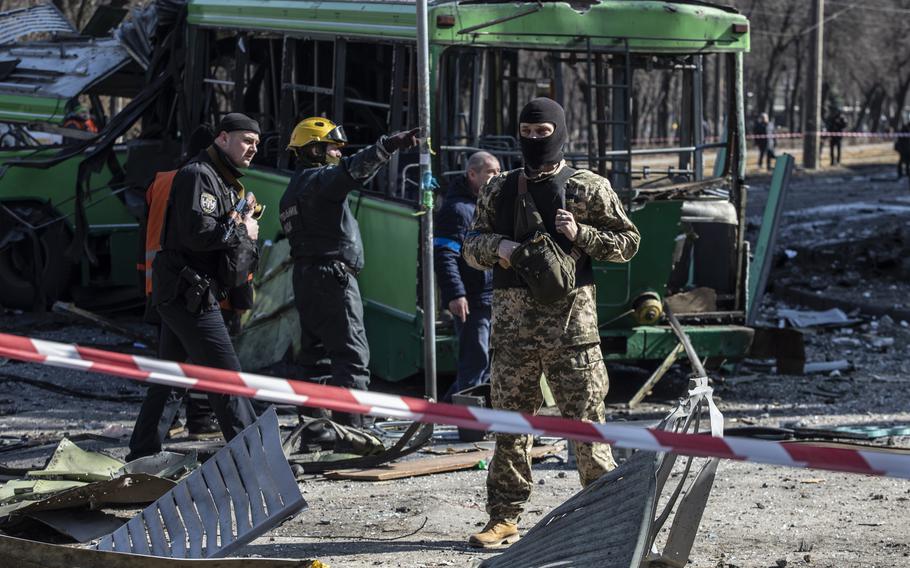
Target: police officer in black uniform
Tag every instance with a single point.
(327, 250)
(208, 248)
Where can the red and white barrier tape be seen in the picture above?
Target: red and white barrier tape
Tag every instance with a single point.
(301, 393)
(781, 136)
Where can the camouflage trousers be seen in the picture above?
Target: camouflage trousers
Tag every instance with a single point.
(578, 379)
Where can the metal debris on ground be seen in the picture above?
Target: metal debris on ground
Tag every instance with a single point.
(66, 494)
(827, 366)
(237, 495)
(69, 461)
(30, 554)
(786, 345)
(804, 318)
(414, 437)
(429, 466)
(615, 521)
(71, 309)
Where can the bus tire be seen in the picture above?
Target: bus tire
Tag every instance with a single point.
(18, 258)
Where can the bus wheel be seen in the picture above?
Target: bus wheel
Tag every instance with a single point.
(19, 257)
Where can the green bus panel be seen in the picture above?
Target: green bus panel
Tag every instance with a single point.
(649, 26)
(26, 108)
(113, 231)
(656, 342)
(619, 284)
(268, 186)
(57, 185)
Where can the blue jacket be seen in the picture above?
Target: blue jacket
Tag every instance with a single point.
(453, 275)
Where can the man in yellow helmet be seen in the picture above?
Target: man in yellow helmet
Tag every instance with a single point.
(327, 250)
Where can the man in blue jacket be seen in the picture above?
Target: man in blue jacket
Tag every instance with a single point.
(467, 292)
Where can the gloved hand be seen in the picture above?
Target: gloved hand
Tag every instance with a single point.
(401, 140)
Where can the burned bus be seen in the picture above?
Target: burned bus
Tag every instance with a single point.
(70, 211)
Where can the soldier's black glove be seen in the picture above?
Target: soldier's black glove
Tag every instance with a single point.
(401, 140)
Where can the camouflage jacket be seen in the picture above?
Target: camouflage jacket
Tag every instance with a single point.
(604, 232)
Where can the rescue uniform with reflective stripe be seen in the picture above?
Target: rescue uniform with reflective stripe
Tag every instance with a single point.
(328, 253)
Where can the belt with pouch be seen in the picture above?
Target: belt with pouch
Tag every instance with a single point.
(316, 262)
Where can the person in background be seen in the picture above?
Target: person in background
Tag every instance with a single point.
(467, 292)
(78, 117)
(902, 147)
(764, 140)
(836, 124)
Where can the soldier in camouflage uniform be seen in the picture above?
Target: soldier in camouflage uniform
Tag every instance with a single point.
(561, 340)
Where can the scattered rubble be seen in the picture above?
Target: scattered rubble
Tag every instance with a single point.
(802, 517)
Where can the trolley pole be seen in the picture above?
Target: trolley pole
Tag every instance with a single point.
(813, 101)
(426, 198)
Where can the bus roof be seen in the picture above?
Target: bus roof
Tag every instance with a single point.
(648, 26)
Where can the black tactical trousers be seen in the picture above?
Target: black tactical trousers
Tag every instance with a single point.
(204, 339)
(331, 326)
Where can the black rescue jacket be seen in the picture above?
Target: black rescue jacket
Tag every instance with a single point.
(202, 196)
(315, 214)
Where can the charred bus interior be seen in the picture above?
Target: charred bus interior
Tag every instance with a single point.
(643, 122)
(641, 117)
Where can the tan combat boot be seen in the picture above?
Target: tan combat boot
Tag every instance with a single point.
(496, 533)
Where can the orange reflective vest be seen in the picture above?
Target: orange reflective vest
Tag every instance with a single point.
(156, 197)
(88, 124)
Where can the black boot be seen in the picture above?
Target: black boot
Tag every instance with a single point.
(317, 435)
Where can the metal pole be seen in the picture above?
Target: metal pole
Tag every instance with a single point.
(426, 195)
(814, 87)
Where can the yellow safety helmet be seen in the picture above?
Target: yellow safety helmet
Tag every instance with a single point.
(316, 129)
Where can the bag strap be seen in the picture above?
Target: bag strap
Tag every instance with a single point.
(576, 253)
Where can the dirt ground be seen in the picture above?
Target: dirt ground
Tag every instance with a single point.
(757, 516)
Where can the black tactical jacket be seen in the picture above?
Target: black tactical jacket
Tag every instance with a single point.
(315, 214)
(202, 196)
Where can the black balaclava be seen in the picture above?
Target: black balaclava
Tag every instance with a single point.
(538, 152)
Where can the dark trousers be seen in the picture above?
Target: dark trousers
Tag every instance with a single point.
(903, 165)
(835, 146)
(331, 327)
(765, 152)
(473, 349)
(203, 339)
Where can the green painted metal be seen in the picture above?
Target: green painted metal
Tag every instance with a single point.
(760, 268)
(24, 108)
(390, 229)
(58, 183)
(109, 219)
(650, 26)
(619, 284)
(656, 342)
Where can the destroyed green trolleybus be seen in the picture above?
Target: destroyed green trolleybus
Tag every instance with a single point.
(166, 70)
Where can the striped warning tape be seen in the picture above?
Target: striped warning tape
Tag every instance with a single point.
(780, 136)
(301, 393)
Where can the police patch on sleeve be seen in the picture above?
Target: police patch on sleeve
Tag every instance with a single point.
(207, 202)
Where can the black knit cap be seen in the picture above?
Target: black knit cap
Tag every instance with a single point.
(238, 121)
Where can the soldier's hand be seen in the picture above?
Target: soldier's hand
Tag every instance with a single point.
(505, 250)
(252, 227)
(401, 140)
(250, 200)
(459, 308)
(565, 224)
